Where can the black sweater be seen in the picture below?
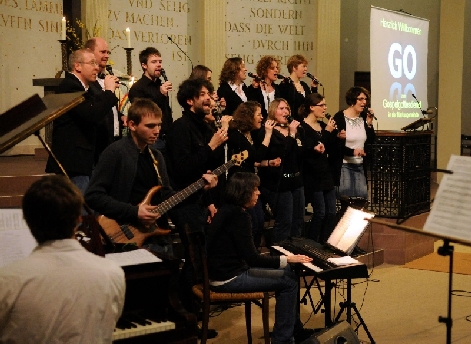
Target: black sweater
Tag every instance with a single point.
(230, 246)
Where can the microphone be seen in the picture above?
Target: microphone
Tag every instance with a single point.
(162, 72)
(109, 69)
(369, 113)
(313, 78)
(423, 111)
(281, 77)
(171, 40)
(327, 115)
(253, 76)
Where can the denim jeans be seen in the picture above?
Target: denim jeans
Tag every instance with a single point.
(352, 181)
(288, 212)
(81, 182)
(323, 217)
(285, 285)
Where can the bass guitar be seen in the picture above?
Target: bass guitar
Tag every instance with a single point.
(137, 233)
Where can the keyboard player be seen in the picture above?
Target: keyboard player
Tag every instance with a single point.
(234, 264)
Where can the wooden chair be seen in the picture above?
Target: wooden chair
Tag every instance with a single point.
(208, 297)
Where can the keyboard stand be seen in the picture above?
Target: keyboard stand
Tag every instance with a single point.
(348, 305)
(307, 293)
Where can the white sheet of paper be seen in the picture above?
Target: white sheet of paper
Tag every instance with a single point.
(16, 240)
(451, 210)
(135, 257)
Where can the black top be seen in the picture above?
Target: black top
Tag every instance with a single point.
(316, 170)
(230, 246)
(188, 153)
(288, 91)
(74, 133)
(146, 88)
(111, 190)
(232, 98)
(288, 175)
(237, 143)
(257, 95)
(341, 150)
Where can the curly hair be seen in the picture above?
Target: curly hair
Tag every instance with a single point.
(243, 116)
(240, 187)
(274, 105)
(295, 61)
(264, 64)
(190, 89)
(353, 93)
(230, 69)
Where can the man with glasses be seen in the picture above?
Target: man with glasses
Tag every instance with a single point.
(74, 133)
(109, 130)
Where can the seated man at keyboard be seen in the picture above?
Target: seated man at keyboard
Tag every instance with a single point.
(234, 264)
(60, 293)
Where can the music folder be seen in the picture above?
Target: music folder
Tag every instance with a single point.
(31, 115)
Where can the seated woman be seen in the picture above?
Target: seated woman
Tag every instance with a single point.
(234, 265)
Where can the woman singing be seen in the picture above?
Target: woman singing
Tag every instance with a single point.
(246, 119)
(280, 171)
(355, 129)
(293, 89)
(231, 84)
(234, 265)
(319, 188)
(264, 90)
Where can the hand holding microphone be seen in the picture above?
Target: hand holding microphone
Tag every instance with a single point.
(111, 82)
(314, 79)
(167, 85)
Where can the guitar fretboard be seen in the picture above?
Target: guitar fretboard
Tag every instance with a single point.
(172, 201)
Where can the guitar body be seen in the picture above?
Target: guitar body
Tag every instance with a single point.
(138, 233)
(132, 233)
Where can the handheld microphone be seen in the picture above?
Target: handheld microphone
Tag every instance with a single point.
(423, 111)
(109, 69)
(327, 115)
(369, 113)
(313, 78)
(162, 72)
(171, 40)
(253, 76)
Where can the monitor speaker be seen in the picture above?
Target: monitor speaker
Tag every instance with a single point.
(340, 333)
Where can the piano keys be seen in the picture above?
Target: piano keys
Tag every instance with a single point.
(153, 308)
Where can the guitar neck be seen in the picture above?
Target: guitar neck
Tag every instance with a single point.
(168, 204)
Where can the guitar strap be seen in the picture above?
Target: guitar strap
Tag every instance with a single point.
(155, 165)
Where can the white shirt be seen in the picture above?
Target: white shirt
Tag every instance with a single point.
(61, 293)
(115, 111)
(238, 90)
(356, 137)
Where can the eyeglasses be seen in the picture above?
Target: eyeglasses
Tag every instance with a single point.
(362, 99)
(321, 105)
(92, 63)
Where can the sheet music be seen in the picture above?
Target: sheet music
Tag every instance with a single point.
(451, 211)
(135, 257)
(16, 240)
(349, 229)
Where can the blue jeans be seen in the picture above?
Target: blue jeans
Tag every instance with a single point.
(323, 217)
(81, 182)
(288, 212)
(285, 285)
(352, 181)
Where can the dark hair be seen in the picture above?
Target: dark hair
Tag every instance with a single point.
(143, 107)
(240, 187)
(310, 100)
(199, 72)
(295, 61)
(190, 89)
(243, 116)
(353, 93)
(274, 105)
(90, 44)
(149, 51)
(51, 208)
(230, 69)
(265, 63)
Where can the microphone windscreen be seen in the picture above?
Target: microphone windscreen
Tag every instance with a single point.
(327, 115)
